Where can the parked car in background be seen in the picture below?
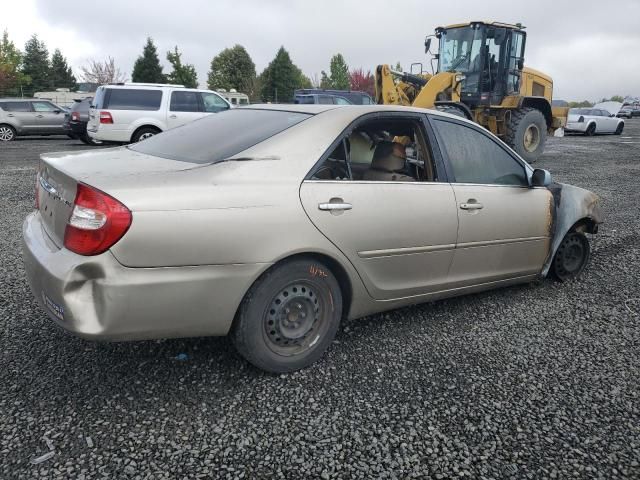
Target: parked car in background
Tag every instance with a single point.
(353, 96)
(130, 112)
(320, 99)
(75, 121)
(182, 234)
(28, 116)
(634, 110)
(590, 121)
(625, 112)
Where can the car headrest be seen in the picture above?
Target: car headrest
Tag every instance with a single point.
(385, 159)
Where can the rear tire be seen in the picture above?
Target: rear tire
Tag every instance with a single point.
(571, 257)
(144, 133)
(590, 131)
(7, 133)
(87, 140)
(527, 133)
(289, 316)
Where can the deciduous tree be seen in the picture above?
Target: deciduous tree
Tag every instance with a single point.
(361, 81)
(11, 76)
(182, 74)
(232, 68)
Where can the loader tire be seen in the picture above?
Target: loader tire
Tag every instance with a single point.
(527, 133)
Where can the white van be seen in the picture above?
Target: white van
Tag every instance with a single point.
(131, 112)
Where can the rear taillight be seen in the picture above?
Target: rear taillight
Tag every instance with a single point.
(105, 117)
(97, 222)
(75, 116)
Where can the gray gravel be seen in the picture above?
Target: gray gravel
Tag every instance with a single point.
(535, 381)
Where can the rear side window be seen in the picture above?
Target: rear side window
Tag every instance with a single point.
(15, 106)
(185, 102)
(477, 158)
(218, 137)
(132, 99)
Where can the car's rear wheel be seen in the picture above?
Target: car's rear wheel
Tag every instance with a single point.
(591, 130)
(619, 129)
(289, 317)
(571, 257)
(144, 133)
(7, 133)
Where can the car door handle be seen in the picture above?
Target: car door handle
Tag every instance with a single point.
(10, 115)
(173, 116)
(40, 116)
(471, 206)
(335, 206)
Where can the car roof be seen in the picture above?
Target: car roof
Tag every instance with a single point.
(14, 99)
(355, 110)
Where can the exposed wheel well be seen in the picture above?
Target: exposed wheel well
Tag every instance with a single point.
(585, 225)
(539, 103)
(340, 273)
(151, 127)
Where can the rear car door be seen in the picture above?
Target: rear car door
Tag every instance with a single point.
(503, 224)
(49, 117)
(399, 232)
(21, 116)
(184, 106)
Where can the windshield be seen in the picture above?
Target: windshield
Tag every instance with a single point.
(460, 49)
(219, 136)
(580, 111)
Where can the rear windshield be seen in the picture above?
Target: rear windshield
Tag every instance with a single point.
(219, 136)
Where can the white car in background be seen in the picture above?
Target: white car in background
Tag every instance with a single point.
(130, 112)
(593, 120)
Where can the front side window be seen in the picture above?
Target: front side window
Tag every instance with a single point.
(213, 103)
(184, 102)
(132, 99)
(44, 107)
(325, 100)
(342, 101)
(477, 158)
(15, 106)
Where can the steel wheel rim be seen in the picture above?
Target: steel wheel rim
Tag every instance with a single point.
(295, 319)
(571, 257)
(531, 138)
(6, 134)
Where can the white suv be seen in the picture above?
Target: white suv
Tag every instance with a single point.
(131, 112)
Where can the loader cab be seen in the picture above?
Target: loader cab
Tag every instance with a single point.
(488, 56)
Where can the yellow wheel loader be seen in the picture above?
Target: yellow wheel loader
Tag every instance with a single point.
(481, 76)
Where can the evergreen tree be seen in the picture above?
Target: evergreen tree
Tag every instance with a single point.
(232, 68)
(147, 68)
(35, 64)
(182, 74)
(281, 78)
(61, 75)
(11, 76)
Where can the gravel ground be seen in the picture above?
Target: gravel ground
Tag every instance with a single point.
(535, 381)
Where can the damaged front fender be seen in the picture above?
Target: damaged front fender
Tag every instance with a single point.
(573, 207)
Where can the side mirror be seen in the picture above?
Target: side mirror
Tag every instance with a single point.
(541, 178)
(427, 45)
(56, 111)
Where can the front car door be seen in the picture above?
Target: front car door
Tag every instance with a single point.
(396, 224)
(213, 103)
(184, 107)
(504, 225)
(49, 117)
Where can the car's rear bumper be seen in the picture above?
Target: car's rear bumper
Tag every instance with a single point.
(99, 298)
(107, 133)
(576, 127)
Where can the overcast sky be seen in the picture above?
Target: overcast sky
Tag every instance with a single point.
(589, 47)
